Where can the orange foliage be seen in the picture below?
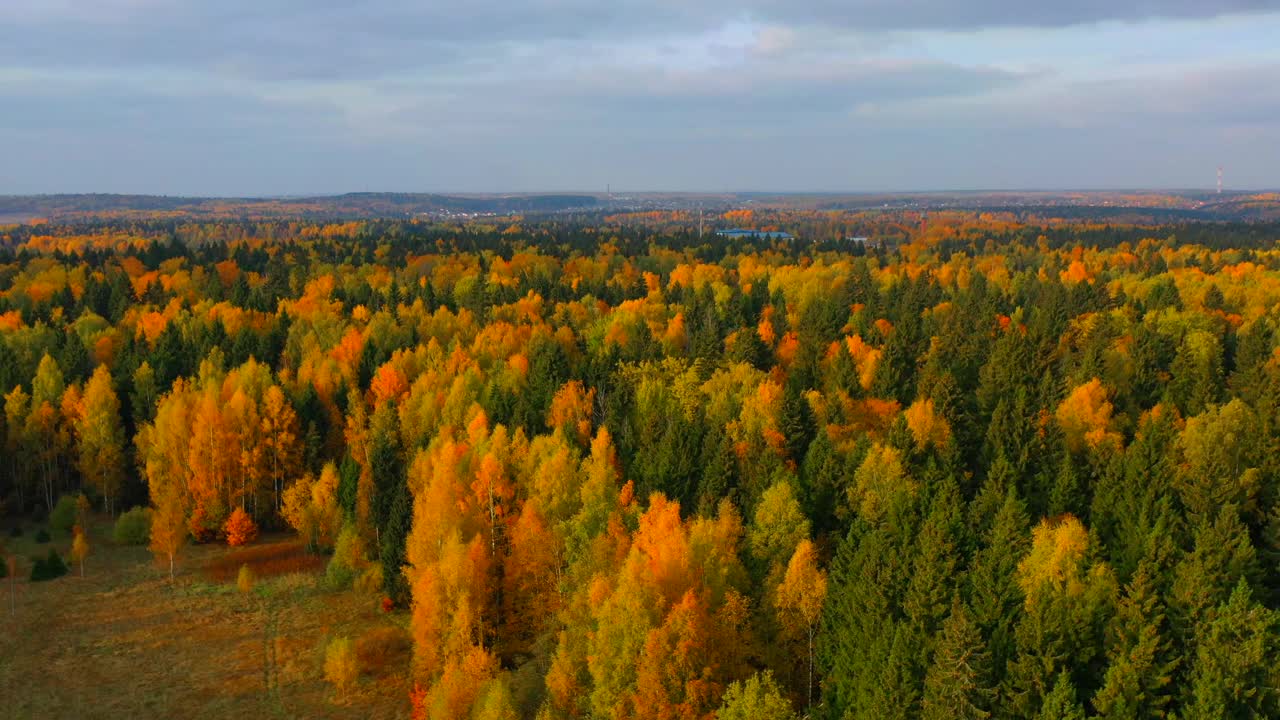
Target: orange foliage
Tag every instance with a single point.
(11, 320)
(675, 676)
(571, 409)
(927, 427)
(766, 332)
(1076, 273)
(240, 529)
(865, 358)
(388, 383)
(1085, 417)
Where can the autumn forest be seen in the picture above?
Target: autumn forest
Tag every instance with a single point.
(607, 466)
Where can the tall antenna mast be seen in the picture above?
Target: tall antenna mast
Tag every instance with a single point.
(1219, 179)
(699, 221)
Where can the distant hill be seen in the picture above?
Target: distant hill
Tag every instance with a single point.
(1261, 206)
(357, 205)
(1104, 206)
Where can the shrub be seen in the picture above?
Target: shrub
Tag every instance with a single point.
(348, 559)
(48, 568)
(380, 647)
(341, 666)
(240, 528)
(64, 514)
(42, 537)
(244, 580)
(133, 527)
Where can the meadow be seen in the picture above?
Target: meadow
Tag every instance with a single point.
(124, 641)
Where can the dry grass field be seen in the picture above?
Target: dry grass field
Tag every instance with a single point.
(125, 643)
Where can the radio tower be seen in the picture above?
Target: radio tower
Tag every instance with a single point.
(1219, 179)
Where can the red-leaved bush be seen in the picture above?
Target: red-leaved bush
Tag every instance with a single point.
(240, 528)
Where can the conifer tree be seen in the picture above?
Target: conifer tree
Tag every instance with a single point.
(1061, 703)
(958, 683)
(1234, 674)
(994, 595)
(1141, 662)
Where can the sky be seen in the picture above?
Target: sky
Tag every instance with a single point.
(296, 97)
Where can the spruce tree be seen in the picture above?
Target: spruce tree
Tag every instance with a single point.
(994, 595)
(958, 684)
(1223, 557)
(1141, 661)
(1062, 703)
(867, 582)
(936, 565)
(1235, 674)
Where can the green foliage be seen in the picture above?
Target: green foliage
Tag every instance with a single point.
(1062, 703)
(1234, 673)
(1141, 662)
(348, 559)
(391, 554)
(756, 698)
(348, 485)
(49, 567)
(63, 517)
(958, 683)
(133, 527)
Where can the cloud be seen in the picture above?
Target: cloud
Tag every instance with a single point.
(1201, 95)
(333, 39)
(310, 95)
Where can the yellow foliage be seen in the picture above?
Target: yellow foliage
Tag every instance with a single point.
(245, 579)
(1085, 417)
(1056, 560)
(927, 427)
(341, 666)
(803, 589)
(878, 480)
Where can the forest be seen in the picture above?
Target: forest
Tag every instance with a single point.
(977, 466)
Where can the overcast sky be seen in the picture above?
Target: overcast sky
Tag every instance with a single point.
(253, 97)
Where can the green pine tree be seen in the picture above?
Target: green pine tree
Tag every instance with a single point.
(994, 595)
(1061, 703)
(958, 685)
(1235, 674)
(1141, 659)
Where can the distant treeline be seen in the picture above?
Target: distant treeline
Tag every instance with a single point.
(352, 205)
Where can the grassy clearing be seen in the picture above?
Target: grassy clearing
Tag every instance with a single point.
(124, 642)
